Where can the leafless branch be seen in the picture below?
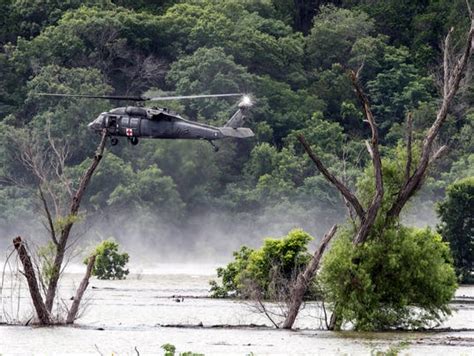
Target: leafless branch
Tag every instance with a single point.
(369, 149)
(51, 229)
(374, 207)
(346, 193)
(98, 350)
(409, 142)
(438, 154)
(58, 162)
(452, 79)
(447, 63)
(350, 209)
(262, 306)
(469, 8)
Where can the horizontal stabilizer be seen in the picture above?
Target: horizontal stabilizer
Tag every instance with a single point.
(239, 132)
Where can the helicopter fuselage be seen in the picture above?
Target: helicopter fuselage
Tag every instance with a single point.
(134, 122)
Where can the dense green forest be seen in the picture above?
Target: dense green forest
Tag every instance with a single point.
(290, 56)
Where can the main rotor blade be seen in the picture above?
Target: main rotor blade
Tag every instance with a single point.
(180, 97)
(111, 97)
(140, 98)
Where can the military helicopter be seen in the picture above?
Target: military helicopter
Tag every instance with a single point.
(134, 122)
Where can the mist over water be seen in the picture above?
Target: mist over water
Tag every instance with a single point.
(207, 237)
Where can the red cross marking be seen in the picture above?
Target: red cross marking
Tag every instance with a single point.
(129, 132)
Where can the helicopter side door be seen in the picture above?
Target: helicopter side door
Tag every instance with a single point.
(130, 126)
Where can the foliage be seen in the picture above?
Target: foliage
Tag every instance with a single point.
(266, 45)
(393, 350)
(398, 87)
(46, 255)
(402, 278)
(388, 281)
(109, 263)
(209, 70)
(457, 226)
(263, 272)
(334, 32)
(170, 350)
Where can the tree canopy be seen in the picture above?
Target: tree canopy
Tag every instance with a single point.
(291, 56)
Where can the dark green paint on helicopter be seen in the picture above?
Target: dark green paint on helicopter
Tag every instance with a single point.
(138, 122)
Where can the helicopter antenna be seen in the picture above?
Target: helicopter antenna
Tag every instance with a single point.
(141, 97)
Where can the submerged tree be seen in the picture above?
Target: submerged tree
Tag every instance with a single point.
(376, 215)
(270, 273)
(109, 263)
(60, 200)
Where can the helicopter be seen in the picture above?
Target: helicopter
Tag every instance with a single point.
(134, 122)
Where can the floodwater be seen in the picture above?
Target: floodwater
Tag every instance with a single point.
(169, 304)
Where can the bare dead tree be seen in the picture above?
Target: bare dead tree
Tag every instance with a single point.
(47, 166)
(66, 229)
(454, 70)
(452, 79)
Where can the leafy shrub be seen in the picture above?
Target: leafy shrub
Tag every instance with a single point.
(266, 272)
(46, 255)
(109, 263)
(170, 350)
(403, 278)
(457, 226)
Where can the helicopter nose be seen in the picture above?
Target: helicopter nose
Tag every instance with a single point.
(93, 126)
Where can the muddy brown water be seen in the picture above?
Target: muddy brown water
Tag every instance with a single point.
(168, 304)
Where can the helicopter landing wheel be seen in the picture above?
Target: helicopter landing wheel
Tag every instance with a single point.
(134, 140)
(114, 141)
(214, 147)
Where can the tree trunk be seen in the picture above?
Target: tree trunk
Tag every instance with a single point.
(373, 147)
(334, 323)
(41, 311)
(304, 279)
(71, 316)
(75, 204)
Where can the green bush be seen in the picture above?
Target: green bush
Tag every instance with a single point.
(46, 256)
(109, 263)
(457, 226)
(403, 278)
(170, 350)
(266, 272)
